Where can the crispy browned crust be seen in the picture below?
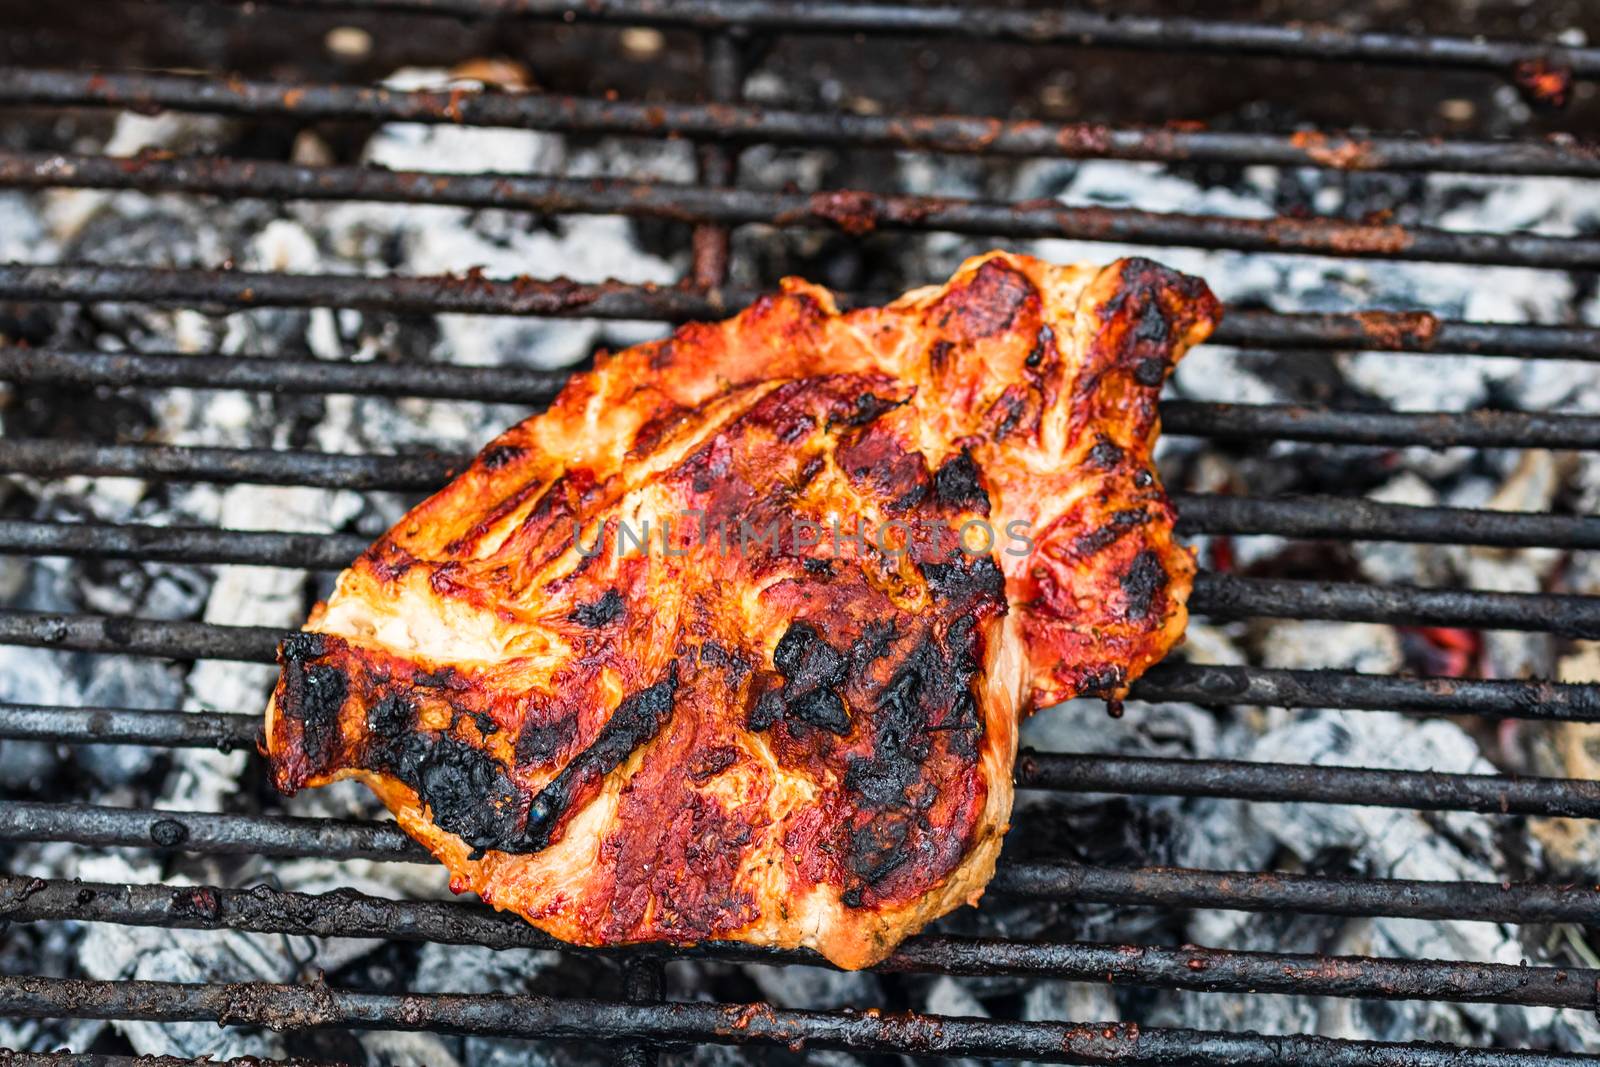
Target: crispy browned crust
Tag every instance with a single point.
(782, 743)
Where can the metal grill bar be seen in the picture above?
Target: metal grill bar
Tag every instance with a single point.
(181, 544)
(1229, 596)
(428, 470)
(536, 387)
(724, 122)
(82, 368)
(128, 726)
(1352, 518)
(465, 294)
(520, 385)
(1035, 26)
(1327, 517)
(347, 913)
(1478, 429)
(311, 1007)
(853, 211)
(1390, 331)
(12, 1058)
(1277, 782)
(1162, 887)
(206, 833)
(1274, 687)
(1217, 595)
(642, 983)
(63, 459)
(1093, 773)
(1215, 685)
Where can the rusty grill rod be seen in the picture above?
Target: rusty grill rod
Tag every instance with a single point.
(347, 913)
(1315, 517)
(1091, 773)
(1222, 596)
(428, 470)
(1342, 150)
(13, 1058)
(1211, 685)
(206, 833)
(316, 1006)
(1031, 26)
(535, 387)
(231, 290)
(852, 211)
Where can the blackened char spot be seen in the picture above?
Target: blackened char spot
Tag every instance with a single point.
(766, 710)
(931, 692)
(598, 613)
(540, 743)
(635, 723)
(1104, 680)
(1151, 372)
(1153, 325)
(964, 579)
(467, 792)
(496, 456)
(959, 485)
(879, 848)
(443, 678)
(873, 644)
(1141, 583)
(868, 407)
(1105, 454)
(805, 659)
(823, 709)
(812, 670)
(821, 569)
(1040, 345)
(312, 694)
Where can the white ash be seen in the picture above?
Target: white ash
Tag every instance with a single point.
(365, 239)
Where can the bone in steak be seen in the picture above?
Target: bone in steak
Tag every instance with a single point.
(874, 540)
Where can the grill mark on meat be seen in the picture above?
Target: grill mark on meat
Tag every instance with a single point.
(598, 613)
(876, 461)
(636, 721)
(928, 701)
(1141, 583)
(987, 304)
(868, 407)
(497, 456)
(1121, 522)
(312, 694)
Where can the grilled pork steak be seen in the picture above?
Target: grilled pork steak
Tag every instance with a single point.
(732, 642)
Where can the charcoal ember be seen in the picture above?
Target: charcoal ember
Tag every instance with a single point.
(118, 682)
(473, 969)
(815, 987)
(118, 953)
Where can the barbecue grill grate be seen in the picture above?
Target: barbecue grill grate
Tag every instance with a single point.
(644, 1021)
